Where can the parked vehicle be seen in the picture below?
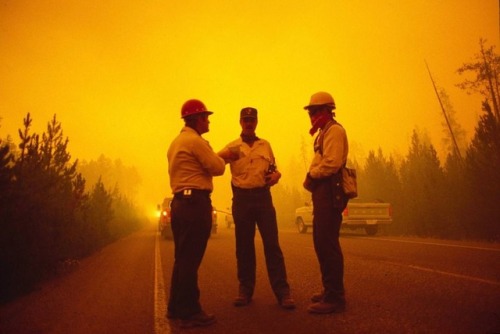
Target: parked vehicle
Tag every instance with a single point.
(229, 220)
(228, 217)
(358, 214)
(164, 222)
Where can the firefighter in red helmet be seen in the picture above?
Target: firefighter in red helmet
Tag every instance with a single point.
(193, 107)
(191, 166)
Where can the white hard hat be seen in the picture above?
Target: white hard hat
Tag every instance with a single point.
(320, 99)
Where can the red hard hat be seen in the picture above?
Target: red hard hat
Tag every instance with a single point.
(192, 107)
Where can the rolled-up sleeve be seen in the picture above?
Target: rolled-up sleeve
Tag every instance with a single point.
(208, 159)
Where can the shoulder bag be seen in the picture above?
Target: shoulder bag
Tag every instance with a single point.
(349, 176)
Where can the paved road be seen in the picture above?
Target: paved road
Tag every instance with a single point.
(393, 285)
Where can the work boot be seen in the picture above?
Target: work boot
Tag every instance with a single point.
(242, 300)
(287, 302)
(317, 297)
(325, 307)
(198, 320)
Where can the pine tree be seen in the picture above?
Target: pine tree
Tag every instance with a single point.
(379, 181)
(482, 173)
(421, 178)
(486, 69)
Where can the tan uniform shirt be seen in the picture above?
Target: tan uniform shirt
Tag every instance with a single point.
(250, 169)
(192, 162)
(335, 150)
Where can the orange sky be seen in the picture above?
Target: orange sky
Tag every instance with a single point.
(117, 72)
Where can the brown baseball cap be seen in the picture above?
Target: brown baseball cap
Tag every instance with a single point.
(248, 112)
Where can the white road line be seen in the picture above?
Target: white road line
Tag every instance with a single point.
(160, 306)
(436, 244)
(446, 273)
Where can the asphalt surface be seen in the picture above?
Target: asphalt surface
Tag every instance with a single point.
(393, 285)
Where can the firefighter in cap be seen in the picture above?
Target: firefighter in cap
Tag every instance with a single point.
(253, 173)
(331, 148)
(191, 165)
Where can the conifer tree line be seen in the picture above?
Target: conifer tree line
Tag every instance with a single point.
(460, 197)
(456, 199)
(49, 216)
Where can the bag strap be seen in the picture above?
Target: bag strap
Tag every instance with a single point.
(319, 138)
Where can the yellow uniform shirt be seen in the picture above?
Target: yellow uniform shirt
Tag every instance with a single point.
(192, 162)
(250, 169)
(334, 156)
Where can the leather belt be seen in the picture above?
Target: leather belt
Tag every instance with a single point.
(259, 190)
(186, 193)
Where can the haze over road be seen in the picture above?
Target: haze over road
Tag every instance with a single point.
(394, 285)
(117, 72)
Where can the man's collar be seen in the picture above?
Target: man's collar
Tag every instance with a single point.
(249, 138)
(190, 129)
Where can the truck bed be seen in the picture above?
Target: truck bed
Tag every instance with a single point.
(358, 214)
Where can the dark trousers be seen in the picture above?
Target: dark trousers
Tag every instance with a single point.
(191, 225)
(327, 219)
(251, 208)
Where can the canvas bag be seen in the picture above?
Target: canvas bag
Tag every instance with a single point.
(349, 182)
(349, 176)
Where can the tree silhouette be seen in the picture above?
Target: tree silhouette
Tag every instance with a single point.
(46, 215)
(112, 174)
(379, 181)
(482, 173)
(452, 126)
(486, 69)
(421, 178)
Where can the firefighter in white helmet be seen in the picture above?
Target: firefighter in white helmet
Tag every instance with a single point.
(191, 165)
(323, 180)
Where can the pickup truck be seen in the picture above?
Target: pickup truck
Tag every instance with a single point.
(358, 214)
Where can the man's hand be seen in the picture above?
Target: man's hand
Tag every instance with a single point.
(308, 183)
(273, 178)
